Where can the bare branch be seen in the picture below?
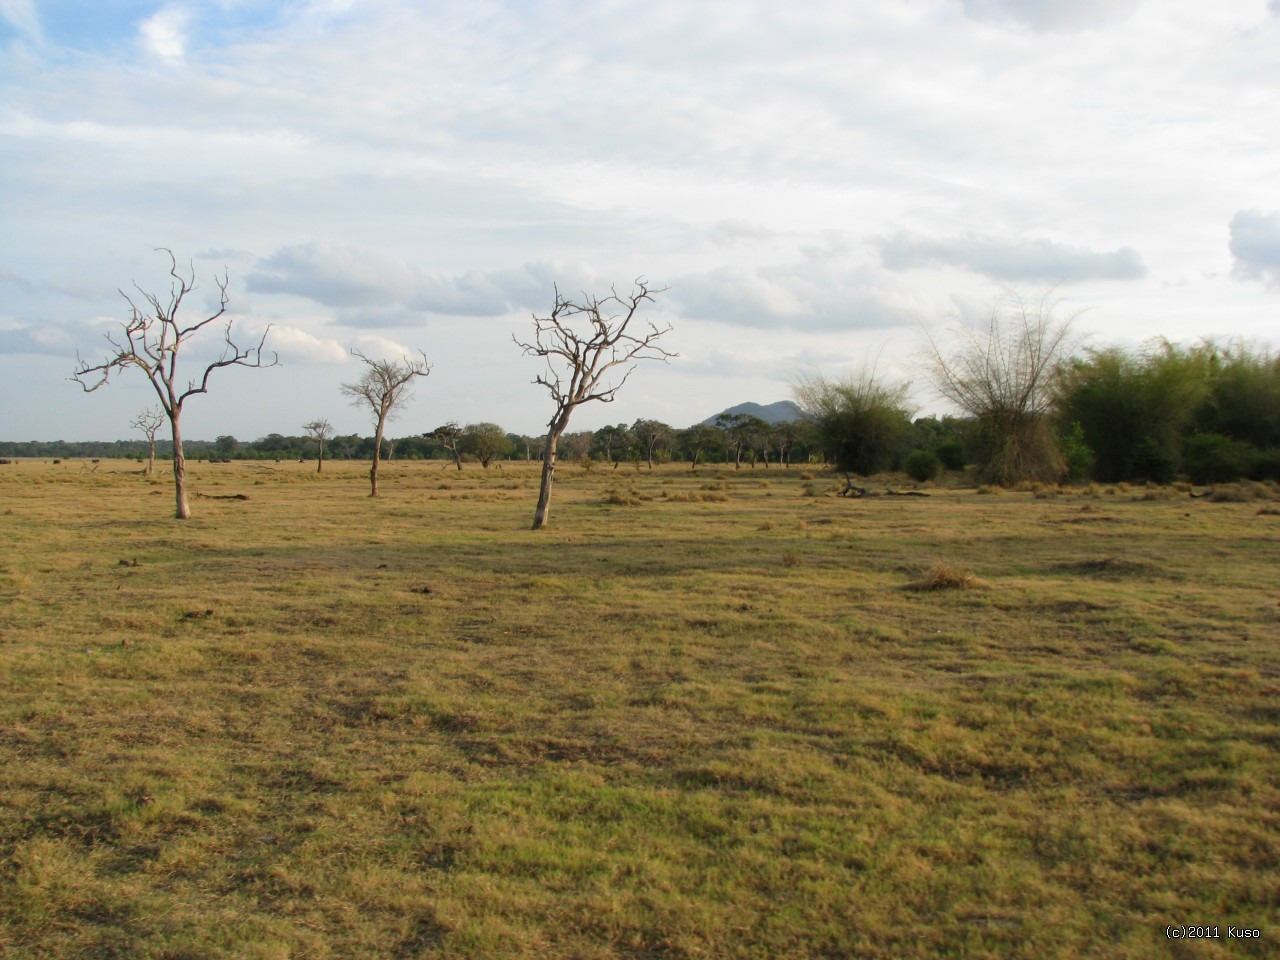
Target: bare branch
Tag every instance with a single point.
(580, 342)
(152, 338)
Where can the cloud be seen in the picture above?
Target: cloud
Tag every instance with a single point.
(380, 348)
(22, 15)
(731, 231)
(164, 33)
(26, 339)
(1255, 244)
(1011, 260)
(376, 289)
(823, 290)
(293, 345)
(1045, 16)
(337, 276)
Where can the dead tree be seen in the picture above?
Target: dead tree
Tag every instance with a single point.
(152, 339)
(149, 421)
(319, 431)
(581, 342)
(385, 386)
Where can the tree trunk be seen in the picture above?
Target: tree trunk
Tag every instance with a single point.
(179, 469)
(151, 458)
(320, 462)
(377, 455)
(548, 475)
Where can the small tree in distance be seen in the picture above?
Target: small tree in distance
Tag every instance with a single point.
(319, 431)
(448, 435)
(149, 421)
(1003, 376)
(650, 434)
(698, 439)
(385, 386)
(484, 441)
(153, 337)
(861, 421)
(580, 343)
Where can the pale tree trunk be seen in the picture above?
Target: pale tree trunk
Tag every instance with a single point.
(548, 475)
(179, 470)
(377, 455)
(151, 459)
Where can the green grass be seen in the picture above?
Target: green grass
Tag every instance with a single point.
(700, 716)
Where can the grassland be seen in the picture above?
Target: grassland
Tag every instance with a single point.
(703, 715)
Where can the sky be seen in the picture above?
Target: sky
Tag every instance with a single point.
(815, 184)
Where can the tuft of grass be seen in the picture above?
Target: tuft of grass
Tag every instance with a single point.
(1243, 492)
(946, 576)
(623, 498)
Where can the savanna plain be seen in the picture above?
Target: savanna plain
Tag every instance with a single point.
(705, 714)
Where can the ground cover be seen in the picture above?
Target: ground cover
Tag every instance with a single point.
(706, 714)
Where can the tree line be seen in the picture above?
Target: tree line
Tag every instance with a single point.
(1035, 407)
(1039, 407)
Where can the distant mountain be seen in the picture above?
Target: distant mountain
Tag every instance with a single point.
(779, 412)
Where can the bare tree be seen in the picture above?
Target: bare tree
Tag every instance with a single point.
(149, 421)
(580, 343)
(152, 339)
(1003, 376)
(449, 436)
(319, 431)
(385, 386)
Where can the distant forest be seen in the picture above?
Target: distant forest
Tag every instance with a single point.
(1207, 414)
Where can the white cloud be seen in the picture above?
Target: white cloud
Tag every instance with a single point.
(376, 289)
(29, 339)
(382, 348)
(1255, 245)
(825, 289)
(298, 346)
(164, 33)
(1011, 259)
(22, 14)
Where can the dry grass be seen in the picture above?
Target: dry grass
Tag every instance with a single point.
(309, 724)
(946, 576)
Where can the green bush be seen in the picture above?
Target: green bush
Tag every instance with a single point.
(1265, 465)
(1213, 458)
(1152, 462)
(952, 455)
(1076, 452)
(922, 465)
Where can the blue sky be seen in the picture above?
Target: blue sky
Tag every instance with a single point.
(813, 183)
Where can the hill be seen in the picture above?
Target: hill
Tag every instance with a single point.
(780, 412)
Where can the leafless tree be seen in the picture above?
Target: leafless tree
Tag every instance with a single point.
(149, 421)
(152, 338)
(581, 342)
(319, 431)
(385, 386)
(1003, 376)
